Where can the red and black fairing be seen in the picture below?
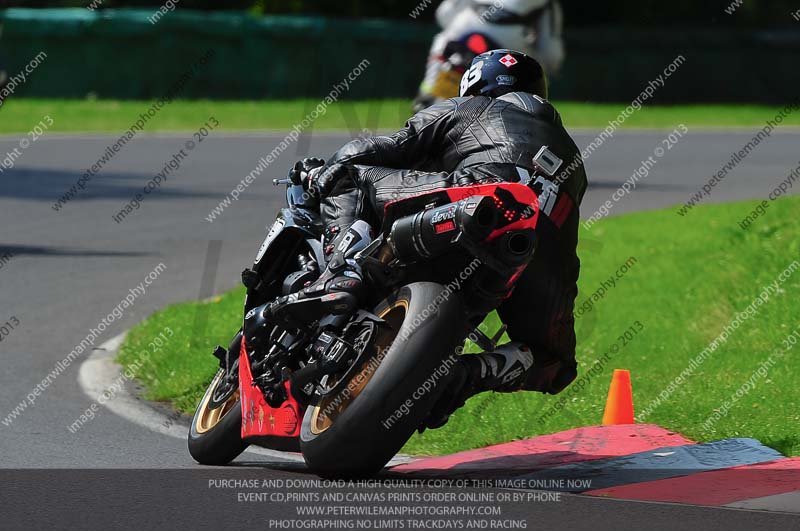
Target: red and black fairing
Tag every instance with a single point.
(517, 203)
(274, 427)
(492, 222)
(424, 226)
(295, 233)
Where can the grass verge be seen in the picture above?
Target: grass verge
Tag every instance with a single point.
(75, 116)
(690, 277)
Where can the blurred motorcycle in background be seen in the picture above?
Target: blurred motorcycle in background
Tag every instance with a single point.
(471, 27)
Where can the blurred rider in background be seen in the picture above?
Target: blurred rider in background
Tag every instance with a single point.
(472, 27)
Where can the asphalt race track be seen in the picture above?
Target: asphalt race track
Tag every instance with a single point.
(69, 269)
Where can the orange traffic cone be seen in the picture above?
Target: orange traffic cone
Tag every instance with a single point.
(619, 405)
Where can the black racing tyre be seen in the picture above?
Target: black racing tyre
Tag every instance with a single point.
(215, 436)
(358, 430)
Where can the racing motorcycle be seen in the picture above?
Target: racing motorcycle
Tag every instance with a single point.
(350, 388)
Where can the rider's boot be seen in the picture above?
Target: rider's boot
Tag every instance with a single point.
(339, 289)
(503, 371)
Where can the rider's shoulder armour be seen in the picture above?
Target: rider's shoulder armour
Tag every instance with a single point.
(536, 105)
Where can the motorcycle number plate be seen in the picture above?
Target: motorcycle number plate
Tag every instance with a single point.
(273, 232)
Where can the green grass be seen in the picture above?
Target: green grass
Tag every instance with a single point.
(693, 275)
(21, 115)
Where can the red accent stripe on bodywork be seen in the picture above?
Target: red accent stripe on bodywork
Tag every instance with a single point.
(561, 211)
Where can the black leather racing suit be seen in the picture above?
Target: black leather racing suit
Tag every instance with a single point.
(465, 141)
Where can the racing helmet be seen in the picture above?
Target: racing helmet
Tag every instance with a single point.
(499, 72)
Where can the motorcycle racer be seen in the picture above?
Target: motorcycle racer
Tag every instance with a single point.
(501, 128)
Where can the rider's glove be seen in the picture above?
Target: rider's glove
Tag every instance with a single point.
(305, 171)
(551, 377)
(324, 180)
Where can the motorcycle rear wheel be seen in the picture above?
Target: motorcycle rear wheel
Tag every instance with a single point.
(357, 431)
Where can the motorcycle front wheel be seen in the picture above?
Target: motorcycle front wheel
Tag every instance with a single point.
(215, 436)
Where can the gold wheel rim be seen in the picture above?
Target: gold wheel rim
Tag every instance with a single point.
(394, 315)
(208, 418)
